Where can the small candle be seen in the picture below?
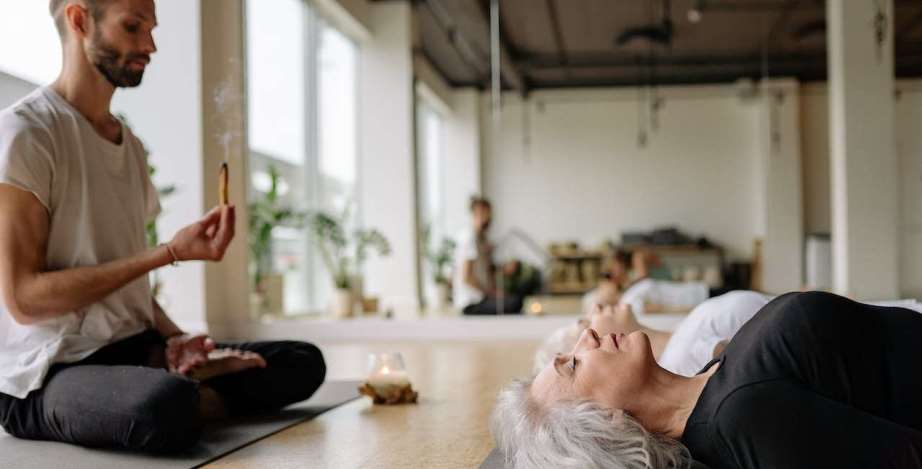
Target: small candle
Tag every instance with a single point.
(386, 370)
(388, 382)
(385, 377)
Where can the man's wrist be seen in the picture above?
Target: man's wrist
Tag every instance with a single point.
(173, 335)
(161, 256)
(173, 258)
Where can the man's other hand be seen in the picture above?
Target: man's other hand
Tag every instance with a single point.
(185, 352)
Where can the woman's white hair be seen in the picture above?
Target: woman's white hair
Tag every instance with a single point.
(576, 434)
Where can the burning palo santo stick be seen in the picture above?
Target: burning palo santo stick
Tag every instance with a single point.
(223, 184)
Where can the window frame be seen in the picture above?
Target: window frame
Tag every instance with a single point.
(313, 21)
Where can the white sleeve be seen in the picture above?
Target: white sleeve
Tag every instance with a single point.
(637, 295)
(26, 159)
(467, 248)
(711, 322)
(678, 294)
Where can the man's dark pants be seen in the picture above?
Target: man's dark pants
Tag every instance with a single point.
(122, 395)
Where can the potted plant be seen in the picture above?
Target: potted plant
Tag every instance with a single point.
(439, 260)
(266, 214)
(150, 230)
(343, 255)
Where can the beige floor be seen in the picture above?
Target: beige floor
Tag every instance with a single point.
(447, 429)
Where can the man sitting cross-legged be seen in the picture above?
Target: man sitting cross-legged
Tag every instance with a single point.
(89, 356)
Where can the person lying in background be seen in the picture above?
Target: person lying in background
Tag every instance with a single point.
(89, 356)
(627, 280)
(698, 338)
(812, 380)
(474, 284)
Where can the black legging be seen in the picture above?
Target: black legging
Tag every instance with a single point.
(122, 395)
(512, 304)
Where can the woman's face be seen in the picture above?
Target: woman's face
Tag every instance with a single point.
(607, 369)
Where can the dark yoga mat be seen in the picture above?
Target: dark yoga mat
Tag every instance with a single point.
(217, 441)
(495, 461)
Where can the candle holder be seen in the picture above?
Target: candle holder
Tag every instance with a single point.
(387, 382)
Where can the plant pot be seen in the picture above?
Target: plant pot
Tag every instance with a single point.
(369, 305)
(256, 305)
(442, 296)
(343, 303)
(273, 293)
(358, 288)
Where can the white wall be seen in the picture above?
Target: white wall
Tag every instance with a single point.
(386, 157)
(909, 150)
(814, 118)
(583, 177)
(817, 210)
(12, 89)
(780, 209)
(863, 159)
(462, 158)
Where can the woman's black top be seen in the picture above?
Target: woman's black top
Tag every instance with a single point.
(814, 380)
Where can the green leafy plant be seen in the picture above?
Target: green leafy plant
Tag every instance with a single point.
(266, 214)
(344, 255)
(520, 278)
(439, 258)
(150, 229)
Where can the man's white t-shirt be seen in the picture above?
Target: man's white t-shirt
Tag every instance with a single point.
(672, 295)
(99, 197)
(466, 250)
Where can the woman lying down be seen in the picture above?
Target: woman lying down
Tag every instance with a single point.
(812, 380)
(697, 339)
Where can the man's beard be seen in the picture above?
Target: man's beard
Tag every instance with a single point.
(109, 61)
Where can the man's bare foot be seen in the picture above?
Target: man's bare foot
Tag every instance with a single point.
(226, 361)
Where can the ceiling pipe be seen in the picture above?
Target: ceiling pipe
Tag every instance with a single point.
(495, 77)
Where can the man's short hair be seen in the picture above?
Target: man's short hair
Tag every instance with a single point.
(97, 9)
(477, 201)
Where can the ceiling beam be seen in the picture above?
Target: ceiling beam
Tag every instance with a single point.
(671, 80)
(508, 69)
(588, 61)
(736, 6)
(908, 26)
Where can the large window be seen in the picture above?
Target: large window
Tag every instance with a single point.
(29, 23)
(302, 96)
(430, 174)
